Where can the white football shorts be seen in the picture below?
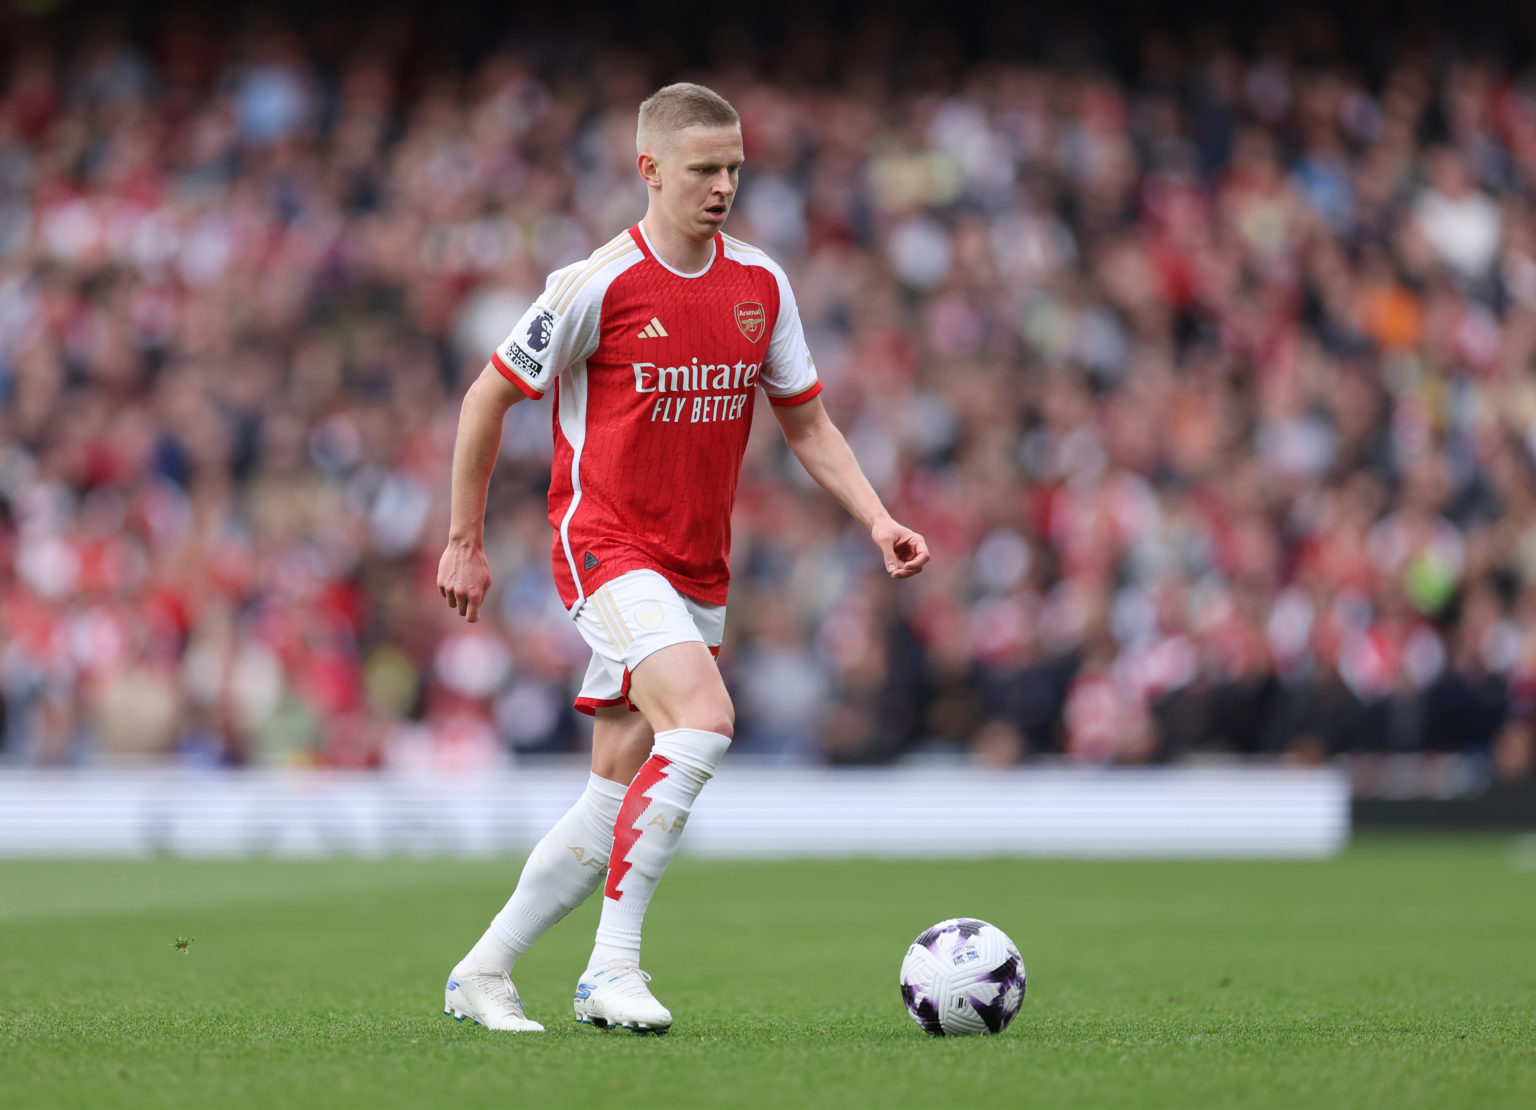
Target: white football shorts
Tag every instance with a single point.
(627, 619)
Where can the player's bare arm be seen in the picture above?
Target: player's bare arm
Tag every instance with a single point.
(463, 575)
(826, 456)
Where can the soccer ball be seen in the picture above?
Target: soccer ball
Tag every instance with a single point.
(962, 976)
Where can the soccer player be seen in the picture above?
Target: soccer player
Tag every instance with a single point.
(655, 348)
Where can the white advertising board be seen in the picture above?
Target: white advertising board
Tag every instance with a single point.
(748, 810)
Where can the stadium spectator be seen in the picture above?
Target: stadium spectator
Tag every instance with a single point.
(1209, 379)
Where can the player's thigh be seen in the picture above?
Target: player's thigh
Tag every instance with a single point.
(664, 643)
(621, 742)
(680, 687)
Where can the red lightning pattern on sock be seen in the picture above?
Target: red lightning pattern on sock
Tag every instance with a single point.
(625, 832)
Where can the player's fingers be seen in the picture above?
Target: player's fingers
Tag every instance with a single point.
(913, 552)
(472, 613)
(888, 553)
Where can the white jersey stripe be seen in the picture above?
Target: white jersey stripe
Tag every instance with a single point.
(573, 425)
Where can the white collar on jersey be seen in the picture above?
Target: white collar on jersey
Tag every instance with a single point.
(662, 263)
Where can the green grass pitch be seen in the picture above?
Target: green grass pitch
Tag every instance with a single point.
(1402, 974)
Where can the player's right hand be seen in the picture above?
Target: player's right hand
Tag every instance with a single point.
(464, 578)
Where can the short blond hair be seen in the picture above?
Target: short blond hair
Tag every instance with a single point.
(677, 107)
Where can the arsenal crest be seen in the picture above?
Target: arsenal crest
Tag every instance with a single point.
(750, 318)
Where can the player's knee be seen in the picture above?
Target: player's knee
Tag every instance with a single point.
(722, 724)
(715, 715)
(699, 742)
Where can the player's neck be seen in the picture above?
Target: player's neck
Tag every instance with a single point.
(683, 253)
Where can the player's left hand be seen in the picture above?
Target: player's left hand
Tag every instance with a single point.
(904, 550)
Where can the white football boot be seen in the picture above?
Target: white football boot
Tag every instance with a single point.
(487, 998)
(616, 995)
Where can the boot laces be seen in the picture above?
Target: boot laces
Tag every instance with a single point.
(628, 979)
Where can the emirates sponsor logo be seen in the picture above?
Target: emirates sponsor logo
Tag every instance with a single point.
(728, 387)
(695, 377)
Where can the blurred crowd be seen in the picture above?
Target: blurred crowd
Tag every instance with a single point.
(1208, 375)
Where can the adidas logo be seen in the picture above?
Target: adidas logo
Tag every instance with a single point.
(653, 330)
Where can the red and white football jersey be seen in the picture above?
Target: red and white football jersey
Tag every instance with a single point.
(655, 374)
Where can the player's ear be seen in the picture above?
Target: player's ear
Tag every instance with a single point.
(650, 169)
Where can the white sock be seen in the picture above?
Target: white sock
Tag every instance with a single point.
(563, 868)
(647, 832)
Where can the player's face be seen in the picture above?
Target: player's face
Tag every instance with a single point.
(697, 172)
